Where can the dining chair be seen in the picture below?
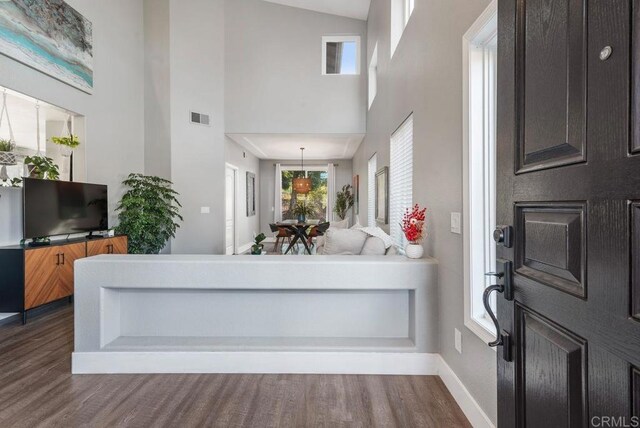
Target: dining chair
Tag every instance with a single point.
(318, 230)
(282, 234)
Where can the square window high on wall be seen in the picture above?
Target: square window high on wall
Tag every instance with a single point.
(401, 11)
(341, 55)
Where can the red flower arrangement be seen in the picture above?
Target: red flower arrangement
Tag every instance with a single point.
(413, 224)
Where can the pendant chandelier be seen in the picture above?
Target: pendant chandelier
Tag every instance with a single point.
(302, 185)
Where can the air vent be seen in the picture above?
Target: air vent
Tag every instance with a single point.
(200, 118)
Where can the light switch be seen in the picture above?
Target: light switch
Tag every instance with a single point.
(457, 340)
(456, 223)
(205, 210)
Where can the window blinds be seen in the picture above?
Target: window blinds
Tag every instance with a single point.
(400, 177)
(371, 190)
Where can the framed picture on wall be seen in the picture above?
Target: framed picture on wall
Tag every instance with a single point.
(356, 194)
(51, 37)
(251, 194)
(382, 196)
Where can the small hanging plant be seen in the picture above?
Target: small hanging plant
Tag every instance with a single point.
(71, 141)
(7, 157)
(6, 145)
(149, 211)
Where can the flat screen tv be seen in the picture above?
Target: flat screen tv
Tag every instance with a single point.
(53, 208)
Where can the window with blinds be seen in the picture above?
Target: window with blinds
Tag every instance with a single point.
(400, 177)
(371, 190)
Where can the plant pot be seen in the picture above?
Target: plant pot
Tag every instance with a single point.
(302, 218)
(414, 250)
(7, 158)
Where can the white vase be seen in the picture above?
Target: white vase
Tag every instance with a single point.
(414, 251)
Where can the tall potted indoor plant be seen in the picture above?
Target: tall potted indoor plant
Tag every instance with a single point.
(148, 213)
(413, 228)
(344, 201)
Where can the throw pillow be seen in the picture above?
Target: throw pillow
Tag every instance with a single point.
(342, 224)
(340, 241)
(373, 246)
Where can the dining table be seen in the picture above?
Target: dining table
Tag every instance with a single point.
(299, 233)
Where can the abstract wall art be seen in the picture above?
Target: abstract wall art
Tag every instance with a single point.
(49, 36)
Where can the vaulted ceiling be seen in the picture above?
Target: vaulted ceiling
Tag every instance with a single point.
(358, 9)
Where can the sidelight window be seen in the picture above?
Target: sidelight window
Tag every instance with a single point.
(480, 59)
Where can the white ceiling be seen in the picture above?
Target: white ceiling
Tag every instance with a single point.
(287, 146)
(358, 9)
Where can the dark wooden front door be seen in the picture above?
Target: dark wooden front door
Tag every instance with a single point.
(569, 188)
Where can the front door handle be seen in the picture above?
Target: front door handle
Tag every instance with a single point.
(505, 287)
(487, 307)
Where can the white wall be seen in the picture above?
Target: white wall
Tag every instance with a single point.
(114, 113)
(425, 77)
(157, 95)
(274, 82)
(237, 156)
(197, 151)
(344, 175)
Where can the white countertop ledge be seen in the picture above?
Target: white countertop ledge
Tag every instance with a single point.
(256, 272)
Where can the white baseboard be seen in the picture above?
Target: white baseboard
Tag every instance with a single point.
(474, 413)
(255, 362)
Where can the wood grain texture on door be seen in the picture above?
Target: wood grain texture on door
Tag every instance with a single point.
(551, 78)
(567, 184)
(552, 365)
(634, 142)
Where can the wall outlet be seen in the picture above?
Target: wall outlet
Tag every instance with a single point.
(458, 340)
(456, 223)
(205, 210)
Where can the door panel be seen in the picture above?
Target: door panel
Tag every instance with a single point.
(71, 253)
(552, 365)
(635, 83)
(635, 257)
(41, 276)
(551, 245)
(551, 77)
(635, 390)
(568, 186)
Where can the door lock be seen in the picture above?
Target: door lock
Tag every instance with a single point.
(503, 235)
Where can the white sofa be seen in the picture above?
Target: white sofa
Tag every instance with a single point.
(357, 241)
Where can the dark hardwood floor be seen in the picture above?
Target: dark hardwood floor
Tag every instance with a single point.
(37, 389)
